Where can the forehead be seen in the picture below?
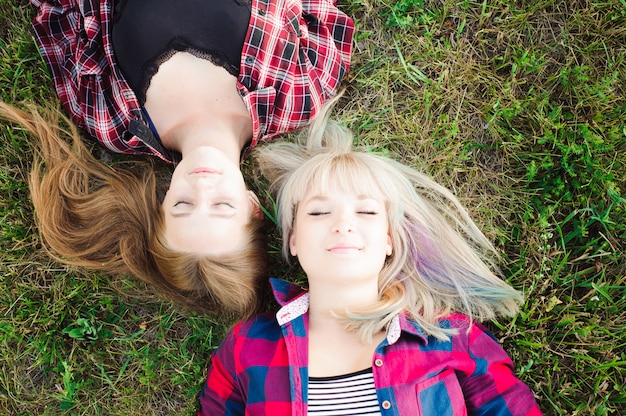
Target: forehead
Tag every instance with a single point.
(338, 196)
(204, 235)
(347, 174)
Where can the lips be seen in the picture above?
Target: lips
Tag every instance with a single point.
(344, 249)
(205, 171)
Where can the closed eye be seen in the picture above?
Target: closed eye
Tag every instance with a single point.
(318, 213)
(367, 212)
(224, 204)
(182, 203)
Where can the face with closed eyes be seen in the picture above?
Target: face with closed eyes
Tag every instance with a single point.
(341, 235)
(207, 205)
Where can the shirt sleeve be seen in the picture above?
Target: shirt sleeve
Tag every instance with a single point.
(221, 394)
(63, 40)
(74, 39)
(493, 388)
(293, 61)
(328, 46)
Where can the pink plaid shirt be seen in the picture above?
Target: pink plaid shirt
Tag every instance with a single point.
(295, 54)
(261, 368)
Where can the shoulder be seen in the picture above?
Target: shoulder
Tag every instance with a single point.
(457, 322)
(257, 341)
(464, 332)
(463, 324)
(474, 339)
(258, 329)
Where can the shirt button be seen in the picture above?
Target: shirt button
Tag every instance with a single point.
(378, 362)
(249, 60)
(262, 12)
(386, 405)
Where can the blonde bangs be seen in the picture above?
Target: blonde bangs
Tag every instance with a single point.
(348, 172)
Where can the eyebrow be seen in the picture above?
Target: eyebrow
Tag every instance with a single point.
(316, 198)
(324, 198)
(188, 214)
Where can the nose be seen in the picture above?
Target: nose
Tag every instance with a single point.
(343, 224)
(204, 183)
(205, 189)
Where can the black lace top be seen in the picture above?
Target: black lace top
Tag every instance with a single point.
(146, 34)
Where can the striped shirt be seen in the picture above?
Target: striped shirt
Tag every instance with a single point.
(349, 394)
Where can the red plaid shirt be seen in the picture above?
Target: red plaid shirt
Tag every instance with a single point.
(295, 54)
(261, 368)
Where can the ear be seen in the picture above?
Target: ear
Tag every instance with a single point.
(292, 243)
(389, 245)
(255, 205)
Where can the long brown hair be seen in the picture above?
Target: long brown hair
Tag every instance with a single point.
(107, 216)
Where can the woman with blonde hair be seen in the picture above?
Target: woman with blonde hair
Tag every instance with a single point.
(398, 276)
(195, 84)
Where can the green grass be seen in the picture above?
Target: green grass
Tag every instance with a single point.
(520, 107)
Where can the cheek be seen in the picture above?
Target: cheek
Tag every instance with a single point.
(177, 187)
(167, 201)
(305, 240)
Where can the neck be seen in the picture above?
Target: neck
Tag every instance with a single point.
(191, 100)
(333, 348)
(188, 135)
(327, 296)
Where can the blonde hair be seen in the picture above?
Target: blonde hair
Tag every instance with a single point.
(108, 217)
(441, 261)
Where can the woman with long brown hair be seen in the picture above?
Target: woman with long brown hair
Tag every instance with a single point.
(195, 84)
